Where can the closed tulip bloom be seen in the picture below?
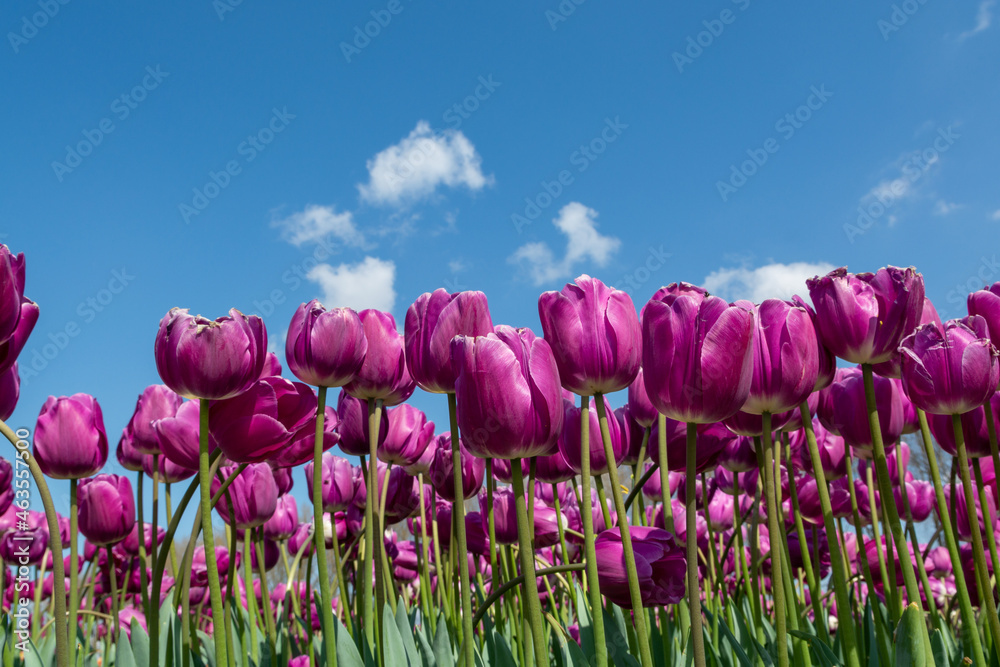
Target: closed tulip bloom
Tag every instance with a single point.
(595, 336)
(431, 322)
(785, 358)
(262, 421)
(283, 478)
(422, 465)
(831, 448)
(154, 403)
(509, 398)
(747, 424)
(253, 493)
(442, 478)
(130, 545)
(632, 435)
(711, 440)
(639, 405)
(477, 534)
(546, 528)
(660, 564)
(28, 543)
(734, 483)
(199, 570)
(106, 509)
(986, 304)
(938, 562)
(504, 473)
(737, 455)
(409, 435)
(168, 471)
(178, 435)
(70, 441)
(353, 425)
(894, 367)
(974, 429)
(956, 505)
(300, 448)
(553, 469)
(952, 370)
(6, 490)
(846, 414)
(794, 422)
(697, 354)
(383, 375)
(564, 491)
(11, 291)
(126, 454)
(720, 510)
(338, 482)
(10, 391)
(569, 440)
(325, 348)
(809, 505)
(272, 555)
(402, 495)
(11, 348)
(284, 521)
(827, 360)
(862, 318)
(201, 358)
(920, 495)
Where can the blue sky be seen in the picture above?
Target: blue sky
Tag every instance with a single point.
(256, 155)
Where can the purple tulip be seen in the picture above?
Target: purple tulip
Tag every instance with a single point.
(155, 402)
(862, 318)
(29, 544)
(553, 469)
(711, 440)
(272, 554)
(300, 449)
(920, 495)
(720, 511)
(737, 455)
(6, 489)
(106, 509)
(409, 435)
(894, 367)
(11, 291)
(785, 358)
(986, 304)
(338, 482)
(262, 421)
(477, 534)
(199, 358)
(272, 366)
(504, 473)
(11, 348)
(974, 428)
(383, 375)
(508, 393)
(126, 454)
(199, 570)
(178, 435)
(827, 360)
(846, 413)
(569, 439)
(325, 348)
(660, 565)
(431, 323)
(794, 422)
(734, 483)
(697, 354)
(638, 402)
(963, 530)
(632, 434)
(168, 472)
(253, 493)
(831, 448)
(422, 465)
(594, 333)
(953, 370)
(70, 441)
(130, 545)
(284, 521)
(442, 477)
(809, 505)
(282, 477)
(10, 391)
(747, 424)
(546, 528)
(563, 491)
(402, 494)
(353, 425)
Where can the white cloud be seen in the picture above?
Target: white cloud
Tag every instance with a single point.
(315, 223)
(996, 214)
(984, 18)
(417, 165)
(367, 284)
(771, 281)
(943, 207)
(584, 242)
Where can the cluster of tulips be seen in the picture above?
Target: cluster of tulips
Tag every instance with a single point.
(702, 522)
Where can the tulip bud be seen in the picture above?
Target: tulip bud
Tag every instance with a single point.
(106, 509)
(325, 348)
(70, 441)
(383, 374)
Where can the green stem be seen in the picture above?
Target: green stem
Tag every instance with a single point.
(530, 586)
(912, 534)
(114, 595)
(774, 532)
(590, 553)
(691, 535)
(74, 584)
(987, 517)
(458, 508)
(319, 537)
(373, 532)
(888, 584)
(144, 593)
(251, 598)
(211, 564)
(425, 577)
(265, 597)
(814, 590)
(626, 534)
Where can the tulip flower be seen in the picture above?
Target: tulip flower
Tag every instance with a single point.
(383, 375)
(11, 348)
(10, 391)
(107, 509)
(402, 494)
(659, 559)
(975, 429)
(569, 439)
(553, 469)
(353, 425)
(894, 368)
(747, 424)
(200, 358)
(785, 358)
(130, 545)
(432, 321)
(126, 454)
(302, 445)
(284, 521)
(594, 333)
(154, 403)
(442, 477)
(633, 436)
(408, 436)
(6, 490)
(177, 435)
(711, 440)
(168, 472)
(639, 405)
(846, 414)
(29, 543)
(325, 348)
(986, 304)
(338, 482)
(546, 525)
(70, 441)
(831, 449)
(11, 291)
(253, 493)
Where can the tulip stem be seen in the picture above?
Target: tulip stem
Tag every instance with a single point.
(691, 537)
(530, 587)
(807, 565)
(156, 509)
(683, 613)
(114, 595)
(458, 510)
(639, 513)
(885, 486)
(635, 593)
(144, 593)
(914, 542)
(208, 535)
(338, 565)
(590, 552)
(988, 517)
(265, 597)
(602, 498)
(774, 534)
(74, 583)
(170, 517)
(425, 554)
(845, 628)
(880, 547)
(325, 595)
(373, 532)
(251, 598)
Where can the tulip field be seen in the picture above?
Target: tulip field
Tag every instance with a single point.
(682, 481)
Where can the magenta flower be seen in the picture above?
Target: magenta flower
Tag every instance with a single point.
(130, 545)
(178, 436)
(569, 439)
(546, 528)
(300, 449)
(986, 304)
(785, 358)
(253, 493)
(553, 469)
(6, 489)
(711, 440)
(29, 543)
(284, 521)
(831, 448)
(594, 333)
(11, 348)
(168, 471)
(660, 565)
(325, 348)
(508, 393)
(737, 455)
(10, 391)
(894, 367)
(951, 370)
(431, 323)
(632, 434)
(846, 413)
(402, 494)
(697, 354)
(747, 424)
(974, 428)
(639, 406)
(11, 291)
(408, 437)
(201, 358)
(338, 482)
(862, 318)
(383, 375)
(106, 509)
(155, 402)
(353, 425)
(442, 477)
(70, 441)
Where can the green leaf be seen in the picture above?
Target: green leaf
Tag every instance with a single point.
(406, 634)
(614, 635)
(585, 620)
(741, 655)
(347, 652)
(442, 644)
(823, 651)
(123, 652)
(910, 642)
(393, 649)
(140, 644)
(503, 657)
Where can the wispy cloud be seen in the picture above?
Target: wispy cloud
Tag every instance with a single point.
(771, 281)
(319, 222)
(579, 224)
(944, 207)
(369, 283)
(984, 18)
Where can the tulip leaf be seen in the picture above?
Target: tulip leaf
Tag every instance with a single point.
(614, 635)
(585, 620)
(425, 648)
(406, 634)
(123, 652)
(503, 656)
(167, 621)
(140, 644)
(393, 650)
(741, 655)
(825, 654)
(347, 652)
(442, 644)
(911, 649)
